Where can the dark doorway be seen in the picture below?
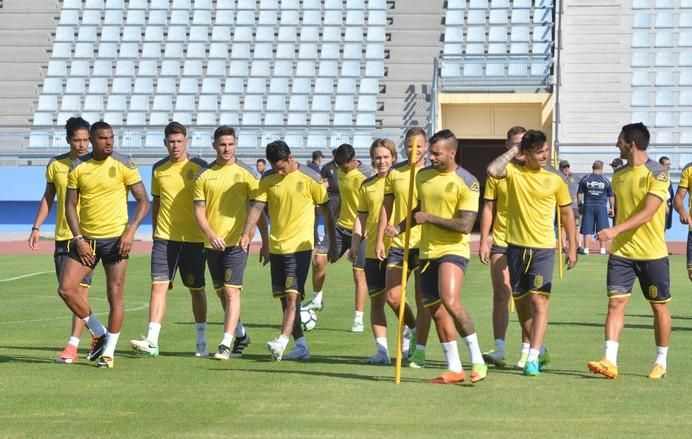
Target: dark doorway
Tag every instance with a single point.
(476, 154)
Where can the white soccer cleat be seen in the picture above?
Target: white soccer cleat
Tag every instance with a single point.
(603, 251)
(143, 345)
(381, 357)
(300, 352)
(357, 326)
(276, 348)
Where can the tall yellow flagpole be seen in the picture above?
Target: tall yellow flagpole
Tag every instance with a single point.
(404, 270)
(559, 222)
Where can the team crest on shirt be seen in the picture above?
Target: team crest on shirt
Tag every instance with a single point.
(663, 176)
(538, 281)
(475, 187)
(228, 274)
(450, 187)
(653, 291)
(111, 171)
(132, 164)
(289, 282)
(300, 186)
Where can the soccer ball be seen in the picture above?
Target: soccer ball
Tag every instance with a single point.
(308, 319)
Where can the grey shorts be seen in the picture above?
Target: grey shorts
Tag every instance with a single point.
(167, 257)
(289, 273)
(530, 270)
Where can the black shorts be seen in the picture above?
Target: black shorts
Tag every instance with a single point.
(105, 249)
(689, 250)
(289, 273)
(430, 279)
(375, 276)
(344, 238)
(59, 255)
(530, 270)
(654, 278)
(395, 258)
(167, 257)
(594, 220)
(498, 250)
(227, 267)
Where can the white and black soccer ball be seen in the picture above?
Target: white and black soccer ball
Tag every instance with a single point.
(308, 319)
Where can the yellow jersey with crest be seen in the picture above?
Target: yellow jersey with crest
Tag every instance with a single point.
(686, 182)
(532, 198)
(103, 187)
(291, 199)
(443, 194)
(396, 184)
(56, 175)
(226, 191)
(173, 184)
(631, 186)
(496, 190)
(370, 203)
(349, 188)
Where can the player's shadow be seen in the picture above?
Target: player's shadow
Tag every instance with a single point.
(627, 325)
(330, 374)
(247, 325)
(25, 359)
(650, 316)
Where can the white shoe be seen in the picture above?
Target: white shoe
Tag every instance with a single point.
(300, 352)
(202, 350)
(143, 345)
(603, 251)
(523, 357)
(312, 305)
(276, 348)
(406, 342)
(381, 357)
(357, 326)
(586, 251)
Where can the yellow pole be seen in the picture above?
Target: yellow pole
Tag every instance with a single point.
(559, 222)
(404, 270)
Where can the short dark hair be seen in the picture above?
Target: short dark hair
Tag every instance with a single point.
(533, 139)
(75, 124)
(415, 131)
(316, 155)
(261, 161)
(174, 128)
(276, 151)
(662, 159)
(636, 133)
(444, 135)
(514, 131)
(100, 125)
(224, 130)
(344, 154)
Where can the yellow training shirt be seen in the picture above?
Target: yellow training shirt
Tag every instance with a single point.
(631, 185)
(686, 182)
(532, 197)
(496, 190)
(349, 187)
(102, 187)
(173, 183)
(370, 202)
(396, 184)
(226, 191)
(443, 194)
(291, 200)
(56, 174)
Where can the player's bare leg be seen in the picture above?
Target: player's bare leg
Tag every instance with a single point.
(447, 334)
(361, 293)
(378, 322)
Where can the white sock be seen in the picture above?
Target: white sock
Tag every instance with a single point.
(301, 341)
(240, 330)
(381, 344)
(500, 345)
(201, 330)
(283, 340)
(471, 342)
(452, 356)
(153, 333)
(358, 316)
(533, 354)
(420, 347)
(227, 339)
(525, 348)
(74, 341)
(662, 356)
(317, 297)
(611, 351)
(94, 325)
(109, 350)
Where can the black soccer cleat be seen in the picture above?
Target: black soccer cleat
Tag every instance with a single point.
(239, 344)
(97, 348)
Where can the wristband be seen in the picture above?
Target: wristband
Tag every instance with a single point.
(77, 238)
(35, 228)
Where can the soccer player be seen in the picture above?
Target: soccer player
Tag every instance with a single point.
(395, 207)
(100, 182)
(533, 194)
(495, 214)
(261, 166)
(639, 249)
(382, 153)
(291, 191)
(572, 181)
(222, 193)
(685, 215)
(77, 130)
(447, 207)
(178, 242)
(350, 175)
(319, 270)
(593, 196)
(665, 162)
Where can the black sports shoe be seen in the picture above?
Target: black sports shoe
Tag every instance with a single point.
(239, 344)
(97, 348)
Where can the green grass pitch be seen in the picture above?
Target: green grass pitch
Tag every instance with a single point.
(333, 394)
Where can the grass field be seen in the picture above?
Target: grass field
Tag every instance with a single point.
(333, 394)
